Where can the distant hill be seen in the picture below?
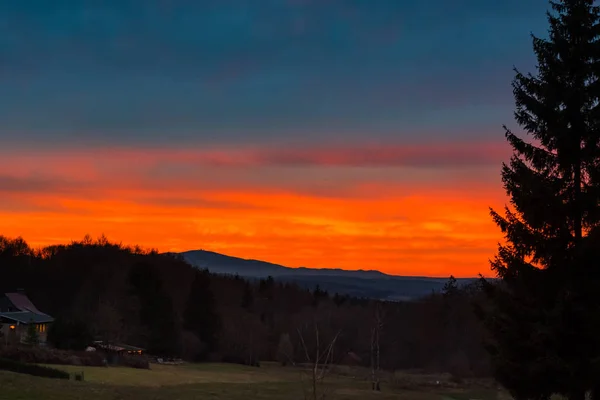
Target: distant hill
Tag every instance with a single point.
(360, 283)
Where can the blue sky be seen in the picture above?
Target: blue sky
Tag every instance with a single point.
(126, 72)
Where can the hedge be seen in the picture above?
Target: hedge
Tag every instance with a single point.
(47, 355)
(32, 369)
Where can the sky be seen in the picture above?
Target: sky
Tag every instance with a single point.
(355, 134)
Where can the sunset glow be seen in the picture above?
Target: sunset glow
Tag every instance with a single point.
(340, 134)
(401, 220)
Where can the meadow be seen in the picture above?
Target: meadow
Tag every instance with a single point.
(233, 382)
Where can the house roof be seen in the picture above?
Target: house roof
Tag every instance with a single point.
(22, 303)
(116, 346)
(27, 317)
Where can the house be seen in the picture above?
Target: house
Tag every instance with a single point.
(17, 312)
(115, 351)
(118, 348)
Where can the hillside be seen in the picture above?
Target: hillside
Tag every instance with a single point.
(360, 283)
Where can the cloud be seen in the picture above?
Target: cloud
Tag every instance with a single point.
(292, 229)
(422, 155)
(35, 184)
(187, 200)
(235, 70)
(325, 206)
(376, 155)
(179, 177)
(254, 127)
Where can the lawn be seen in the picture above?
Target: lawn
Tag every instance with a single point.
(170, 375)
(207, 381)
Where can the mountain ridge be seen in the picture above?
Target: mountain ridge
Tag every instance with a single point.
(374, 271)
(359, 283)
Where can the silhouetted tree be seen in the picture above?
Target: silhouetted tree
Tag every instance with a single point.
(69, 334)
(200, 316)
(451, 287)
(318, 294)
(156, 311)
(540, 318)
(247, 297)
(338, 299)
(265, 287)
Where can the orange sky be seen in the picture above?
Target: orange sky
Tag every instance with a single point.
(409, 220)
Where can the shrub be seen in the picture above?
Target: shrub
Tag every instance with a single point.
(32, 338)
(79, 376)
(44, 355)
(32, 369)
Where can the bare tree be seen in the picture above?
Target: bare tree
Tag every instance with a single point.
(319, 364)
(285, 350)
(376, 331)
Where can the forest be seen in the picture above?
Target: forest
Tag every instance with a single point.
(106, 291)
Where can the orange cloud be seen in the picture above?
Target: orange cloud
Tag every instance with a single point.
(402, 219)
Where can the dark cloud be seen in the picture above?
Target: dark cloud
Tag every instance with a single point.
(35, 184)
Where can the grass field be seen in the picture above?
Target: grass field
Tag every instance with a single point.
(212, 381)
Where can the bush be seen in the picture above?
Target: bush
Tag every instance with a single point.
(32, 369)
(44, 355)
(79, 376)
(33, 337)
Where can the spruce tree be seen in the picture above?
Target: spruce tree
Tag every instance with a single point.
(247, 297)
(200, 315)
(451, 287)
(161, 333)
(542, 317)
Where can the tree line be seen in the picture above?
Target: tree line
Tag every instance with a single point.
(101, 290)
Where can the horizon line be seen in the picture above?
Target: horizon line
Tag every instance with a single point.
(329, 268)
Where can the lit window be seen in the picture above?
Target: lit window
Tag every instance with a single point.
(12, 327)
